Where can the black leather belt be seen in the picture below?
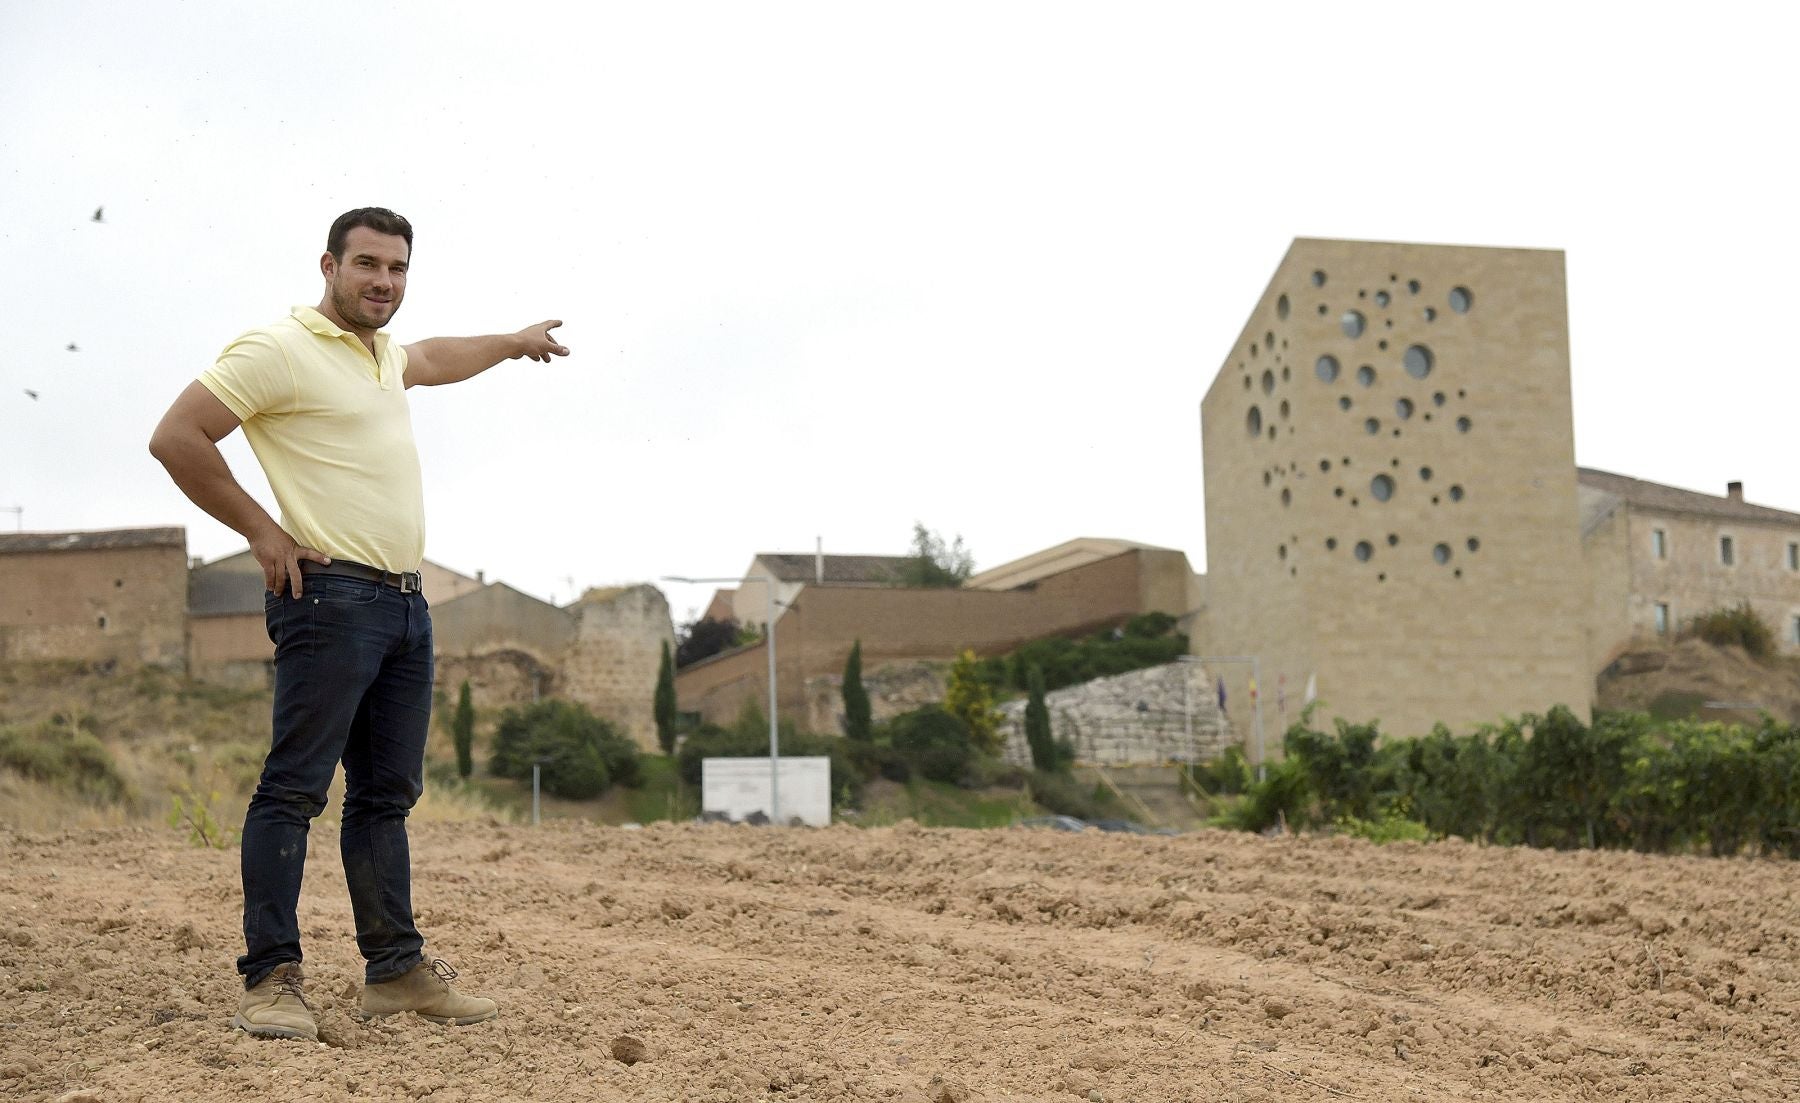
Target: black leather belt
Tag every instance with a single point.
(407, 582)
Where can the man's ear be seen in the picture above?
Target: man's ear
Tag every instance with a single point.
(327, 264)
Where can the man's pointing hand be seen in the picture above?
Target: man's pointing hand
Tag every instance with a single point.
(536, 342)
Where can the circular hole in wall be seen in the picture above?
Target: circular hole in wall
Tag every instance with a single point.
(1343, 402)
(1338, 493)
(1331, 543)
(1438, 399)
(1404, 408)
(1286, 495)
(1430, 313)
(1364, 550)
(1440, 554)
(1474, 544)
(1267, 477)
(1354, 323)
(1365, 375)
(1281, 552)
(1382, 487)
(1463, 424)
(1461, 300)
(1393, 539)
(1271, 432)
(1381, 298)
(1287, 373)
(1418, 361)
(1284, 407)
(1425, 474)
(1281, 308)
(1372, 426)
(1456, 493)
(1323, 309)
(1318, 278)
(1324, 465)
(1326, 369)
(1412, 286)
(1268, 382)
(1253, 421)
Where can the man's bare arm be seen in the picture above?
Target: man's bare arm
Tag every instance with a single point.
(186, 444)
(439, 360)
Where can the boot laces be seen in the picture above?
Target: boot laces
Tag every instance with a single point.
(443, 970)
(288, 984)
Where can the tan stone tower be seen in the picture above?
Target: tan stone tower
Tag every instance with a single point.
(1390, 487)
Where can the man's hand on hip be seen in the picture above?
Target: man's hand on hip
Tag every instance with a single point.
(280, 557)
(537, 342)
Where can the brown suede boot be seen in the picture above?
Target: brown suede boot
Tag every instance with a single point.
(426, 990)
(276, 1009)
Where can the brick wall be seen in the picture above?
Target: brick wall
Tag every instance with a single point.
(113, 604)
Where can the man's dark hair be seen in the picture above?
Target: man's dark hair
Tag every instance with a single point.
(379, 219)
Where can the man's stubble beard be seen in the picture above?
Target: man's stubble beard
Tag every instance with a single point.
(349, 307)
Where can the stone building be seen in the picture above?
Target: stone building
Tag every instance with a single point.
(228, 637)
(1657, 556)
(1390, 487)
(817, 624)
(109, 596)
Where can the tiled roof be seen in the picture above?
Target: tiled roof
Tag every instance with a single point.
(221, 593)
(841, 569)
(96, 540)
(1673, 499)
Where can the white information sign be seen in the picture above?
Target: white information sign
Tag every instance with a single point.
(740, 786)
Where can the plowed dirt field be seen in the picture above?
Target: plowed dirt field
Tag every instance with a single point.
(731, 963)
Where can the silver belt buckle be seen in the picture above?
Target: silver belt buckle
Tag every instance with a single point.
(407, 585)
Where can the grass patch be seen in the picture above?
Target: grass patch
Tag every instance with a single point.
(63, 754)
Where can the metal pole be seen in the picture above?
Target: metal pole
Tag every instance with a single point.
(1262, 751)
(774, 724)
(534, 794)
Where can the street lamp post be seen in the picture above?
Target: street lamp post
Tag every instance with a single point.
(1255, 700)
(768, 582)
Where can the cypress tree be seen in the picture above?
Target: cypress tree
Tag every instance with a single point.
(1037, 722)
(664, 705)
(857, 722)
(462, 730)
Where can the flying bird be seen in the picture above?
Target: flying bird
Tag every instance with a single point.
(73, 347)
(31, 394)
(99, 214)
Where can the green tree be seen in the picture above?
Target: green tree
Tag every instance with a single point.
(462, 731)
(933, 741)
(970, 699)
(664, 704)
(934, 564)
(857, 720)
(581, 753)
(1037, 723)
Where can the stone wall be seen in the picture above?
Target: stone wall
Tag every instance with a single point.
(122, 604)
(1160, 714)
(893, 688)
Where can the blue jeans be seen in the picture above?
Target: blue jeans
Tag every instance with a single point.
(353, 669)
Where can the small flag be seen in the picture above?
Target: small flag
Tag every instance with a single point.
(1312, 688)
(1221, 681)
(1253, 693)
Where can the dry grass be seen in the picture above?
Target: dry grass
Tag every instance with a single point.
(165, 736)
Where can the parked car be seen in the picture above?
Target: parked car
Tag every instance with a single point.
(1054, 823)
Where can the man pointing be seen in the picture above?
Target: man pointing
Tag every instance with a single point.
(321, 395)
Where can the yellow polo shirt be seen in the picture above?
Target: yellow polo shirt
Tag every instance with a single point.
(331, 428)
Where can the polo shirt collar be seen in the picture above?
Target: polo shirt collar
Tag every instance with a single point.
(310, 317)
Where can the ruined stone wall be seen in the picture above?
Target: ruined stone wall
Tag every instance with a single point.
(612, 663)
(1152, 716)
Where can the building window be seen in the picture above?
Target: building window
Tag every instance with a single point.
(1659, 543)
(1662, 618)
(1793, 556)
(1727, 551)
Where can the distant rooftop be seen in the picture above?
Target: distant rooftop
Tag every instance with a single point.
(95, 540)
(872, 570)
(1673, 499)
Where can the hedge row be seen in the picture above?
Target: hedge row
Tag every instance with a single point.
(1626, 781)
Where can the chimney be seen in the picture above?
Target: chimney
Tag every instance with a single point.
(481, 578)
(819, 562)
(1735, 491)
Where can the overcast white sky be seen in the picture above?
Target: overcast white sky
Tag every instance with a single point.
(828, 269)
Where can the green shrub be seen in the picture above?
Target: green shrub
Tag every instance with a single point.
(1740, 625)
(1059, 792)
(933, 741)
(66, 753)
(1227, 774)
(580, 753)
(1391, 826)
